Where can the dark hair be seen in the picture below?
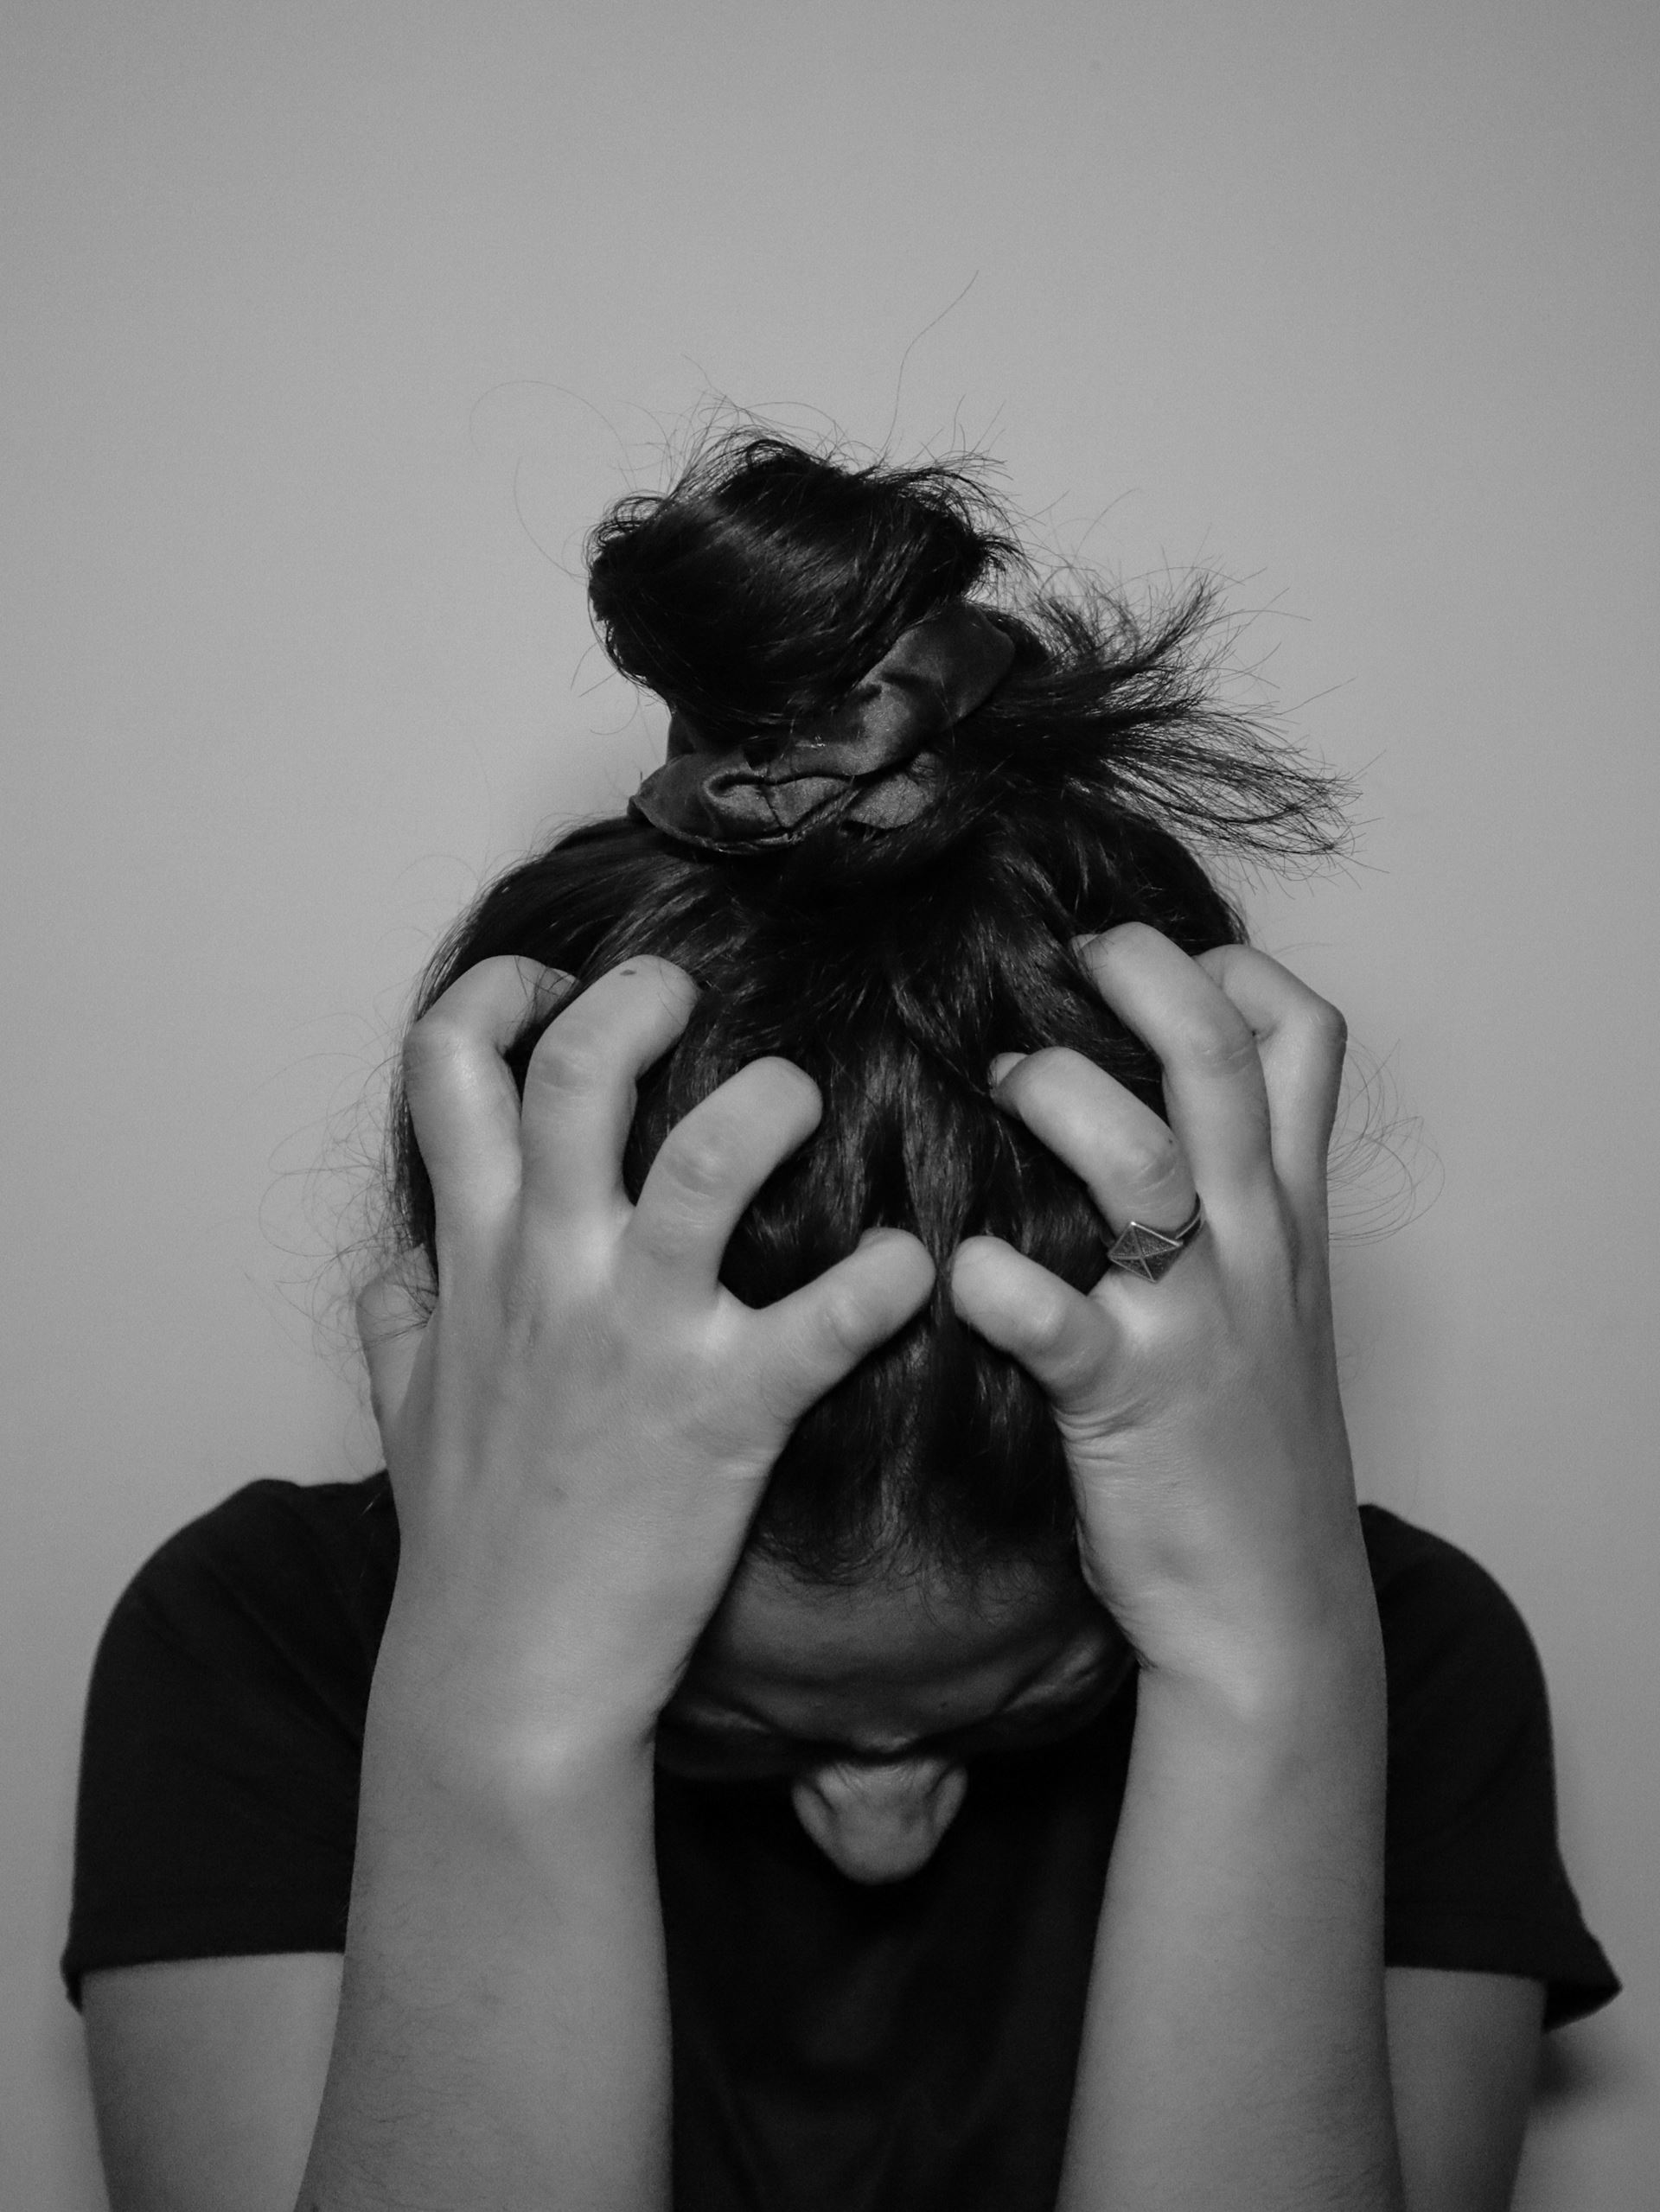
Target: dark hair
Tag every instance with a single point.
(892, 965)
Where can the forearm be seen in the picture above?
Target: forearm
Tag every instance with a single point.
(1233, 2053)
(503, 2029)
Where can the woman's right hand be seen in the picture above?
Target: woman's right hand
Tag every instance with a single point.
(579, 1429)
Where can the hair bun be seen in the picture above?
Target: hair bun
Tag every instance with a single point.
(770, 579)
(762, 589)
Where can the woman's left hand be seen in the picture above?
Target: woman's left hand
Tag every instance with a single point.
(1200, 1413)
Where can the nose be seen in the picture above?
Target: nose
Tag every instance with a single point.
(880, 1821)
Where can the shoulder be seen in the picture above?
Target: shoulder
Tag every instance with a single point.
(1467, 1697)
(273, 1529)
(1443, 1612)
(224, 1729)
(1474, 1879)
(298, 1571)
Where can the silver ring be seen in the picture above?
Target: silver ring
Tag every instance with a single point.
(1153, 1253)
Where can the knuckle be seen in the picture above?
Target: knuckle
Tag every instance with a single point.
(1328, 1027)
(432, 1045)
(1152, 1156)
(569, 1057)
(845, 1320)
(1220, 1046)
(698, 1160)
(1045, 1327)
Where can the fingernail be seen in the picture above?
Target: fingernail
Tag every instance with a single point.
(1002, 1065)
(1085, 948)
(883, 1232)
(552, 984)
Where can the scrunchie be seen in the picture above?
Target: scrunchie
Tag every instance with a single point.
(870, 761)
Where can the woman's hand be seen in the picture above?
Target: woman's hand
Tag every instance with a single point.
(579, 1433)
(1200, 1412)
(1241, 1937)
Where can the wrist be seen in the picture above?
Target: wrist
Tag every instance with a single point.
(1260, 1634)
(1281, 1691)
(503, 1742)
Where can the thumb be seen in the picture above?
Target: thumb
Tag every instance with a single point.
(1062, 1338)
(817, 1336)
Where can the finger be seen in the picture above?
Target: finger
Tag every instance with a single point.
(1301, 1040)
(461, 1094)
(392, 1315)
(1213, 1089)
(1062, 1339)
(809, 1341)
(711, 1165)
(1127, 1157)
(582, 1084)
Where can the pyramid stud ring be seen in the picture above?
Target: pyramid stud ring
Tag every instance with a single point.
(1153, 1253)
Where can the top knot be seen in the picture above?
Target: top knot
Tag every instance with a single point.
(759, 591)
(813, 627)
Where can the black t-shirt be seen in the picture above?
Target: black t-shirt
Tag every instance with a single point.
(838, 2048)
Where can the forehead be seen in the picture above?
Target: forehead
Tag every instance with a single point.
(923, 1631)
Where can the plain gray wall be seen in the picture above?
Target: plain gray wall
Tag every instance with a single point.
(325, 332)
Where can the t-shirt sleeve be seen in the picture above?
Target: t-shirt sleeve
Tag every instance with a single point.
(218, 1781)
(1475, 1878)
